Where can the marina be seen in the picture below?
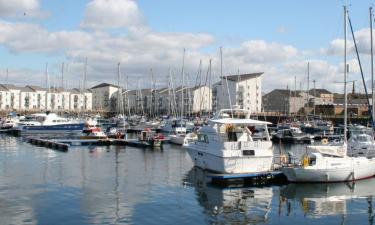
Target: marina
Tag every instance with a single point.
(143, 112)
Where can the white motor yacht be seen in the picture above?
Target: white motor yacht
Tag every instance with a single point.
(226, 144)
(47, 123)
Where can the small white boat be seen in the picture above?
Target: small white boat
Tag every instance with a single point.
(174, 126)
(10, 121)
(177, 139)
(361, 145)
(95, 133)
(226, 144)
(292, 135)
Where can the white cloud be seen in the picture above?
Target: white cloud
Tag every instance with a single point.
(21, 9)
(103, 14)
(260, 51)
(336, 46)
(24, 37)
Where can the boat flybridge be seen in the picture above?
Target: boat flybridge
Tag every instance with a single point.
(226, 144)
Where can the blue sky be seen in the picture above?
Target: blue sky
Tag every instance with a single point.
(275, 37)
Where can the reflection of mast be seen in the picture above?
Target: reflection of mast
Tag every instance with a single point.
(117, 217)
(370, 210)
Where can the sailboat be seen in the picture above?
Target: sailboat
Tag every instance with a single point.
(331, 163)
(179, 134)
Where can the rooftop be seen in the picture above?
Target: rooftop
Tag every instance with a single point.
(104, 85)
(286, 92)
(240, 77)
(318, 92)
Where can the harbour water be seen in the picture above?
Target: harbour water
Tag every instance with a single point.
(125, 185)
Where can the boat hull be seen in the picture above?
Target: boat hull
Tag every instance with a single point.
(52, 129)
(176, 139)
(361, 169)
(237, 164)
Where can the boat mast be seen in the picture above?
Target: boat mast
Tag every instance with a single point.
(118, 89)
(345, 76)
(226, 79)
(151, 93)
(169, 93)
(210, 90)
(6, 78)
(47, 77)
(308, 88)
(314, 96)
(82, 89)
(182, 87)
(295, 95)
(372, 66)
(62, 75)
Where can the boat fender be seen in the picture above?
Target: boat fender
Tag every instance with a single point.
(324, 141)
(283, 159)
(229, 127)
(305, 161)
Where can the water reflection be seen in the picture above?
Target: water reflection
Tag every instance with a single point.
(117, 185)
(238, 205)
(319, 200)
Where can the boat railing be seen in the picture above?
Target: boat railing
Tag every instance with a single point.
(240, 145)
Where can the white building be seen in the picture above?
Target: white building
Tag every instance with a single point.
(102, 95)
(28, 99)
(58, 99)
(196, 99)
(4, 97)
(14, 97)
(243, 91)
(80, 100)
(41, 94)
(202, 99)
(34, 98)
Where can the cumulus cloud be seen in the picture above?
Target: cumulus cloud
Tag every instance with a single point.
(25, 37)
(336, 46)
(21, 8)
(261, 51)
(104, 14)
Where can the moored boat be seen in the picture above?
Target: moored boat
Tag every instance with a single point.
(95, 133)
(330, 163)
(226, 144)
(49, 123)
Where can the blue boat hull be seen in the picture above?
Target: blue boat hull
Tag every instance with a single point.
(55, 129)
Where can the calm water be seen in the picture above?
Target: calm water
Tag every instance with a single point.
(117, 185)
